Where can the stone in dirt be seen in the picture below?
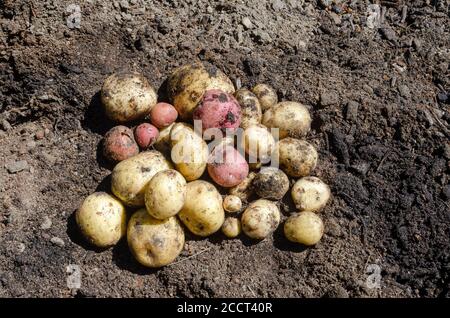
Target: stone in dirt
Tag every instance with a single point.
(17, 166)
(57, 241)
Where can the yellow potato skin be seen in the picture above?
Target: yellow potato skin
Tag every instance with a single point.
(310, 194)
(258, 142)
(153, 242)
(244, 189)
(231, 227)
(188, 83)
(297, 158)
(127, 96)
(129, 177)
(202, 212)
(251, 112)
(266, 95)
(292, 119)
(162, 143)
(305, 228)
(102, 219)
(232, 203)
(260, 219)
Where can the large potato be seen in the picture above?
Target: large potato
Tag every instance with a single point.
(129, 178)
(102, 219)
(271, 183)
(258, 142)
(189, 151)
(153, 242)
(305, 228)
(187, 84)
(127, 96)
(165, 194)
(296, 157)
(293, 119)
(251, 112)
(202, 212)
(260, 219)
(310, 194)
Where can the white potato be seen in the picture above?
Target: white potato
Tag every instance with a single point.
(258, 142)
(231, 227)
(232, 203)
(292, 119)
(305, 228)
(251, 112)
(310, 194)
(266, 95)
(260, 219)
(297, 158)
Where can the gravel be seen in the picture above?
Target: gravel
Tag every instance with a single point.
(17, 166)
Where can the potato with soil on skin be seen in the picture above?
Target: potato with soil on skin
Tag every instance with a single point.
(127, 96)
(163, 115)
(162, 143)
(266, 95)
(243, 190)
(102, 219)
(187, 84)
(292, 119)
(251, 112)
(271, 183)
(202, 212)
(260, 219)
(129, 178)
(119, 144)
(305, 228)
(153, 242)
(258, 142)
(189, 151)
(165, 194)
(232, 203)
(231, 227)
(297, 158)
(146, 135)
(310, 194)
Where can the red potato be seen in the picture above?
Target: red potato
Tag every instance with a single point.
(218, 109)
(119, 144)
(163, 115)
(226, 166)
(146, 135)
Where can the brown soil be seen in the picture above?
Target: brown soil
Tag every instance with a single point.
(379, 98)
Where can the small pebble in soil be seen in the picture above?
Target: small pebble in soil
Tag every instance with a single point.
(19, 248)
(352, 111)
(17, 166)
(46, 223)
(247, 23)
(442, 97)
(404, 91)
(6, 125)
(39, 134)
(388, 34)
(57, 241)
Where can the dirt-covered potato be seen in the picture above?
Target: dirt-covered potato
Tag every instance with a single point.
(162, 143)
(102, 219)
(202, 212)
(258, 142)
(243, 190)
(129, 178)
(165, 194)
(232, 203)
(145, 135)
(163, 115)
(231, 227)
(271, 183)
(305, 228)
(292, 119)
(266, 95)
(119, 144)
(310, 194)
(127, 96)
(189, 151)
(260, 219)
(187, 84)
(251, 112)
(297, 158)
(153, 242)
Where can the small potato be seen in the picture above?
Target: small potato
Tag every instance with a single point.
(266, 95)
(258, 142)
(310, 194)
(102, 219)
(202, 212)
(218, 109)
(271, 183)
(163, 115)
(292, 119)
(162, 143)
(127, 96)
(153, 242)
(187, 84)
(119, 144)
(146, 135)
(305, 228)
(297, 158)
(165, 194)
(244, 190)
(226, 166)
(129, 178)
(232, 203)
(189, 151)
(260, 219)
(231, 227)
(251, 112)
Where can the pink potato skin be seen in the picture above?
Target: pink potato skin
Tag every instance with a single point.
(119, 144)
(163, 114)
(227, 167)
(146, 134)
(218, 110)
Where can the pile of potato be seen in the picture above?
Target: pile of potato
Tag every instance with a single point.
(159, 163)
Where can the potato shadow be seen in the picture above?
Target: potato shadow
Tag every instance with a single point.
(101, 159)
(75, 236)
(95, 119)
(123, 258)
(104, 185)
(162, 92)
(282, 243)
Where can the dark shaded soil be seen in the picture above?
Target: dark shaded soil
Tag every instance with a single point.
(380, 103)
